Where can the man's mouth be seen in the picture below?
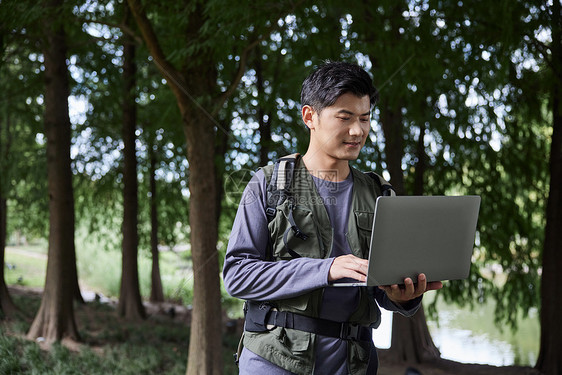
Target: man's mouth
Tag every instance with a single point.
(353, 144)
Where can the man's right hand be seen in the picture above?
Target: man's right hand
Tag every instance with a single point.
(348, 266)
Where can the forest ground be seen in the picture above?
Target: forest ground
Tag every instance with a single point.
(112, 345)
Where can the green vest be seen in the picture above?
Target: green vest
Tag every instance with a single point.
(291, 349)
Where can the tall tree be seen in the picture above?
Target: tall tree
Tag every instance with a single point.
(205, 348)
(195, 86)
(156, 290)
(550, 358)
(55, 318)
(130, 301)
(22, 160)
(7, 307)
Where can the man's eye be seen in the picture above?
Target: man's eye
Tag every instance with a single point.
(364, 120)
(344, 118)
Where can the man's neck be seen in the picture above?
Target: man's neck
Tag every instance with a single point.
(326, 168)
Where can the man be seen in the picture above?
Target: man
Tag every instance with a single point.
(283, 259)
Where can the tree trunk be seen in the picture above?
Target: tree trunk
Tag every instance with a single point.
(550, 354)
(411, 340)
(156, 291)
(130, 302)
(55, 318)
(205, 344)
(7, 307)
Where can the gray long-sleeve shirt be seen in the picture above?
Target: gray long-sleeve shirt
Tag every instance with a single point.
(248, 276)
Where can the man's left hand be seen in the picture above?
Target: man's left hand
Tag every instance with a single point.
(410, 290)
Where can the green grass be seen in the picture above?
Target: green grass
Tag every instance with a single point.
(110, 345)
(25, 266)
(99, 270)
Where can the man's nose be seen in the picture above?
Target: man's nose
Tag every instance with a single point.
(356, 129)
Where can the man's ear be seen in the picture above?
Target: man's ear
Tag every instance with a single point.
(307, 115)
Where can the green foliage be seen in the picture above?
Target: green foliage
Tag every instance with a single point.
(22, 153)
(446, 72)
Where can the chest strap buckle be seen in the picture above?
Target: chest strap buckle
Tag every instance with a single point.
(350, 331)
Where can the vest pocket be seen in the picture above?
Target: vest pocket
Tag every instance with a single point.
(358, 356)
(298, 304)
(303, 239)
(364, 221)
(293, 340)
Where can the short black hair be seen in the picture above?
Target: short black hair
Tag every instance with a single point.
(331, 80)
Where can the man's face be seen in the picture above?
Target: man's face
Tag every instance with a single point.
(339, 131)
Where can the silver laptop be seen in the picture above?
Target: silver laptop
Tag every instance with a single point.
(433, 235)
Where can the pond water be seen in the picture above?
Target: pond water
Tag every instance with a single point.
(471, 336)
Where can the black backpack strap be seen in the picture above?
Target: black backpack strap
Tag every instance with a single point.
(298, 233)
(279, 186)
(386, 188)
(279, 189)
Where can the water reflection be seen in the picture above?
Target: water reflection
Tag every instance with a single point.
(464, 346)
(471, 336)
